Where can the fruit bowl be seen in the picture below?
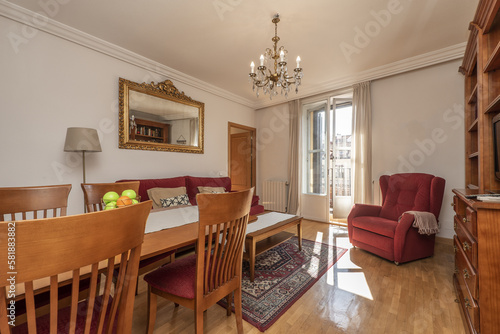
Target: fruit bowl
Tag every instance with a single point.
(112, 200)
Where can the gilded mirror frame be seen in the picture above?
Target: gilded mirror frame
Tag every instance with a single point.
(163, 90)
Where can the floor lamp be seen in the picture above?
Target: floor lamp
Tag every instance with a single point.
(82, 140)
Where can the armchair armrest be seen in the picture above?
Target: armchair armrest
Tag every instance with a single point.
(401, 235)
(359, 210)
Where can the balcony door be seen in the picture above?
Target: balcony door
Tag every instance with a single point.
(327, 158)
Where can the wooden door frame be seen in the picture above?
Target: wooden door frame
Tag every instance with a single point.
(253, 131)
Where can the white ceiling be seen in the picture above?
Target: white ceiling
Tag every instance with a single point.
(215, 41)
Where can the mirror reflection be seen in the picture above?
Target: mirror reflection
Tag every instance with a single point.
(159, 117)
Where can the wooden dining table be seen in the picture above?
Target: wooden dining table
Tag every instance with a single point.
(169, 239)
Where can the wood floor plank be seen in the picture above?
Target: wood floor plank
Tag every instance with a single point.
(362, 293)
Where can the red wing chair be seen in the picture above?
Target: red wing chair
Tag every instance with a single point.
(376, 229)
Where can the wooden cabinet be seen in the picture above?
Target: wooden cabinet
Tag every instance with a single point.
(149, 131)
(481, 67)
(477, 262)
(477, 224)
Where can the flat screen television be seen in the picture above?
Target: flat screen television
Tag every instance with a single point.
(496, 144)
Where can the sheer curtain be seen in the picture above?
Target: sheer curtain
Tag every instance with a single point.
(293, 158)
(362, 144)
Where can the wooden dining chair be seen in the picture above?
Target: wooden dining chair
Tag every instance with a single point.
(93, 193)
(71, 247)
(214, 272)
(21, 203)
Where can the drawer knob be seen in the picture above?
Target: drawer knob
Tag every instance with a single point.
(467, 303)
(452, 204)
(465, 220)
(455, 248)
(465, 246)
(455, 225)
(466, 274)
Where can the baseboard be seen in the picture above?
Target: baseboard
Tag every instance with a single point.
(444, 241)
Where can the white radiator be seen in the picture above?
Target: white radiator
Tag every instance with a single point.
(274, 195)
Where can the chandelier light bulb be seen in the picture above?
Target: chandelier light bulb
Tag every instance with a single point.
(261, 60)
(282, 56)
(252, 67)
(298, 61)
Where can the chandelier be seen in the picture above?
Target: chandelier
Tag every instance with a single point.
(279, 80)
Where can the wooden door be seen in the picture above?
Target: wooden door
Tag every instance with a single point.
(241, 161)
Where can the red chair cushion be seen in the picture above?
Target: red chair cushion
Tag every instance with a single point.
(382, 226)
(63, 317)
(177, 278)
(406, 191)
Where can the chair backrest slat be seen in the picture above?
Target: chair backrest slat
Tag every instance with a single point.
(24, 200)
(53, 302)
(223, 220)
(73, 244)
(93, 192)
(74, 300)
(30, 306)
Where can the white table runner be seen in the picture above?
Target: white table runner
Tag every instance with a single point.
(161, 220)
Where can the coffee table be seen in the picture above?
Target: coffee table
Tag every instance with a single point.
(269, 233)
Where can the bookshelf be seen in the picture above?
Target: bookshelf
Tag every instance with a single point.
(149, 131)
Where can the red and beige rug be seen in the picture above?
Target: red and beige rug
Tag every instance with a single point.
(282, 275)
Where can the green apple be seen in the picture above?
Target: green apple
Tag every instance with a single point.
(134, 201)
(129, 193)
(110, 196)
(109, 207)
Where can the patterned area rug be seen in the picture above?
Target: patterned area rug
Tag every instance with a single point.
(282, 275)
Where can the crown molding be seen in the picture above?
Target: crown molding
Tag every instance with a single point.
(50, 26)
(406, 65)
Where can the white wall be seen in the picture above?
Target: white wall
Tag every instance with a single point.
(272, 143)
(51, 84)
(418, 127)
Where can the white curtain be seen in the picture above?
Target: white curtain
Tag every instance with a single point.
(362, 144)
(293, 158)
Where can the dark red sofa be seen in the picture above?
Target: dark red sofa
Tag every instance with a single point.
(191, 183)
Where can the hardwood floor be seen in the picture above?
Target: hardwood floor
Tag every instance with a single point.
(362, 293)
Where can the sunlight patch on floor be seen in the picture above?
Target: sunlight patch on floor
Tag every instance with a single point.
(354, 283)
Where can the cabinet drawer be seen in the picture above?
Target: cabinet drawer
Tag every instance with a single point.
(464, 269)
(469, 308)
(467, 243)
(470, 221)
(458, 206)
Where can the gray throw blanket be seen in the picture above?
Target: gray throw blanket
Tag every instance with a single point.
(425, 222)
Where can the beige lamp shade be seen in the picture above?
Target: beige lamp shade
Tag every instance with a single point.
(82, 139)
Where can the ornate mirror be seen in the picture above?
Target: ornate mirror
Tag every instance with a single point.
(158, 117)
